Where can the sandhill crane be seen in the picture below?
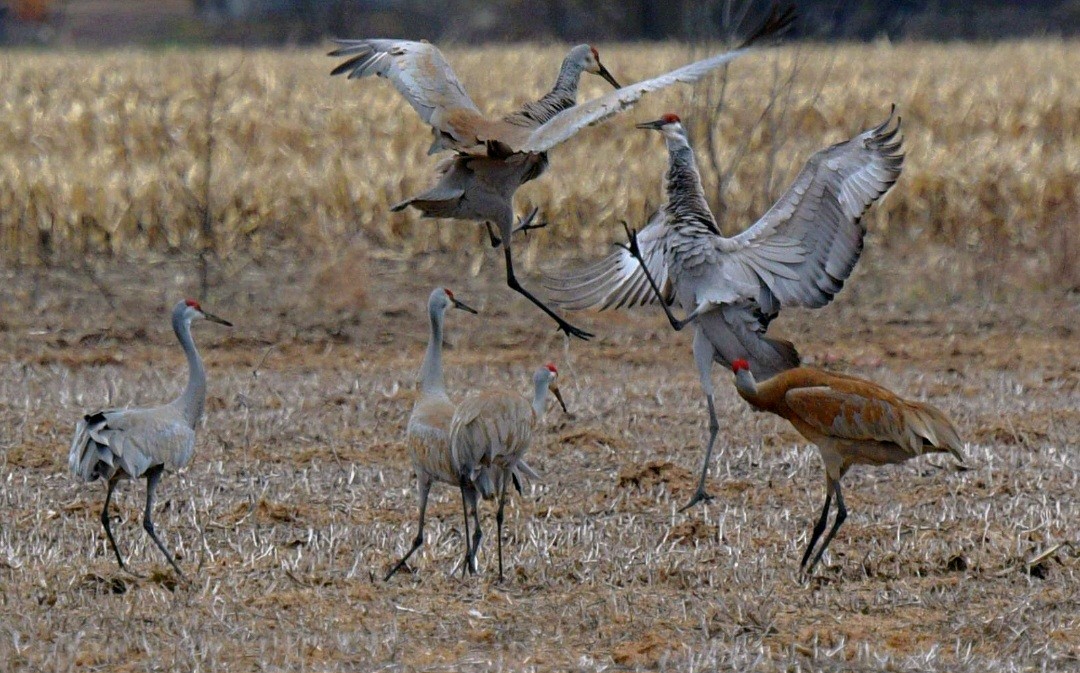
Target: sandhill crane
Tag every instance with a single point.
(798, 254)
(495, 157)
(489, 435)
(852, 422)
(428, 430)
(117, 444)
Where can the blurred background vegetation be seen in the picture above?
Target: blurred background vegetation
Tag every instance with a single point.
(269, 22)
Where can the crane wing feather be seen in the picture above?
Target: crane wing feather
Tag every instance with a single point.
(807, 244)
(618, 280)
(417, 69)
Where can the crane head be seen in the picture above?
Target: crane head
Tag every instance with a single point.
(593, 65)
(458, 304)
(551, 373)
(739, 365)
(668, 122)
(192, 309)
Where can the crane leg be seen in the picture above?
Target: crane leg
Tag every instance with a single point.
(635, 252)
(841, 514)
(700, 495)
(153, 475)
(703, 358)
(425, 488)
(477, 534)
(524, 224)
(513, 284)
(468, 500)
(105, 522)
(499, 524)
(819, 527)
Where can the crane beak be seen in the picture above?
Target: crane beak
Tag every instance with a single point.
(655, 125)
(213, 318)
(558, 395)
(464, 307)
(603, 72)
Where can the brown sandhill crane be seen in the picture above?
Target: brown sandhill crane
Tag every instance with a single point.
(798, 254)
(495, 157)
(117, 444)
(489, 436)
(428, 431)
(853, 422)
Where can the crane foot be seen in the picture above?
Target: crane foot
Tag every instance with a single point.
(570, 330)
(699, 496)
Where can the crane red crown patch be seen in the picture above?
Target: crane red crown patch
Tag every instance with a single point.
(739, 365)
(671, 118)
(595, 54)
(552, 368)
(193, 304)
(448, 292)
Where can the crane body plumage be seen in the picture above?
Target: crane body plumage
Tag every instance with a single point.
(852, 422)
(489, 436)
(798, 254)
(117, 444)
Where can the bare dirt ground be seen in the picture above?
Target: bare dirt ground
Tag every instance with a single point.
(301, 496)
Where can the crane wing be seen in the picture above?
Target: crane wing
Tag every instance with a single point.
(564, 125)
(618, 280)
(847, 414)
(567, 123)
(137, 439)
(806, 245)
(417, 69)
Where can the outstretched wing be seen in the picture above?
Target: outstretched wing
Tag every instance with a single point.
(417, 69)
(806, 245)
(564, 125)
(617, 280)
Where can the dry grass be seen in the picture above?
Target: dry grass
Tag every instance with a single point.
(104, 153)
(300, 495)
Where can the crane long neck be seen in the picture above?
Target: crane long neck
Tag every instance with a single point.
(562, 96)
(193, 399)
(686, 198)
(431, 374)
(539, 402)
(747, 386)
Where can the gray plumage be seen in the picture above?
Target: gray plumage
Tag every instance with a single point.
(798, 254)
(489, 435)
(117, 444)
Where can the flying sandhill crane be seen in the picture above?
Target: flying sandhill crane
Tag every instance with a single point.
(852, 421)
(117, 444)
(428, 431)
(798, 254)
(495, 157)
(489, 436)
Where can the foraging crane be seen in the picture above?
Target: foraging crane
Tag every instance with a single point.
(495, 157)
(117, 444)
(798, 254)
(428, 430)
(852, 422)
(489, 435)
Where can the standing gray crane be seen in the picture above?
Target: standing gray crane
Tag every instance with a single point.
(495, 157)
(117, 444)
(798, 254)
(489, 435)
(428, 431)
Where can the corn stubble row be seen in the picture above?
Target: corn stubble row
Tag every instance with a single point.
(107, 154)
